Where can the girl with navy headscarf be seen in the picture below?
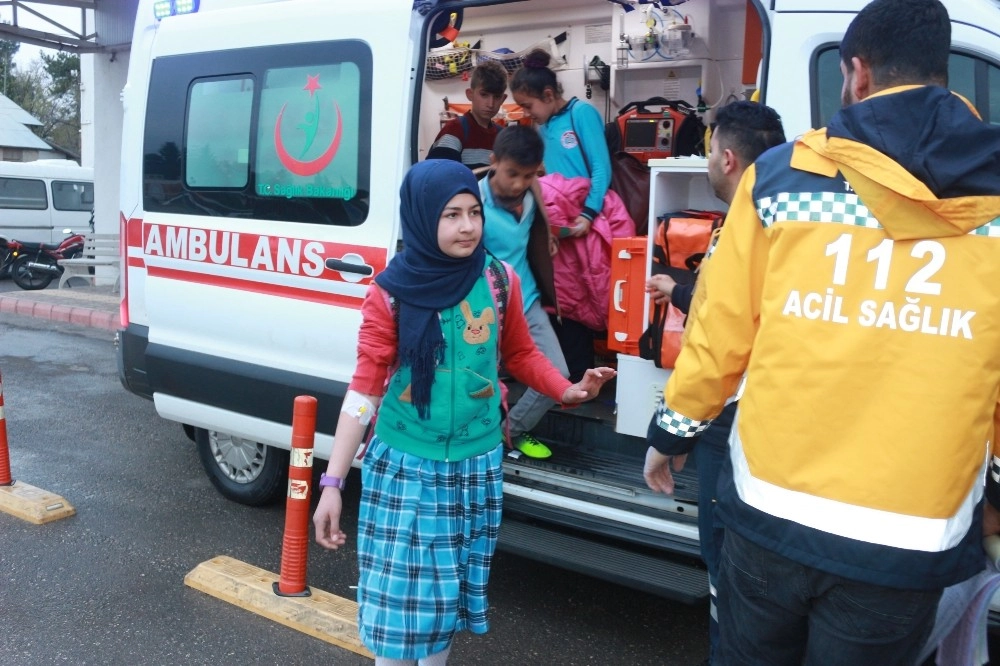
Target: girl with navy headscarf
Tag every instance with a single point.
(434, 326)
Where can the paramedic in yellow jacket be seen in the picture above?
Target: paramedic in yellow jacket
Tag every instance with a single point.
(856, 284)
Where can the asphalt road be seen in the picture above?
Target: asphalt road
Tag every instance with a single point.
(6, 284)
(106, 586)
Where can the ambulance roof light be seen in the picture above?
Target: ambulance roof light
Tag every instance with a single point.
(161, 8)
(186, 6)
(164, 8)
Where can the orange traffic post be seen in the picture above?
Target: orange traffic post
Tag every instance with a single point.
(285, 598)
(20, 499)
(295, 544)
(5, 479)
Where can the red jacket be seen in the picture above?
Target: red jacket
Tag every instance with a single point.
(377, 347)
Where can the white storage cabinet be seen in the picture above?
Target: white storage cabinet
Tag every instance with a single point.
(675, 183)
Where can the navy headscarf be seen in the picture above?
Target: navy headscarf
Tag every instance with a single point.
(422, 278)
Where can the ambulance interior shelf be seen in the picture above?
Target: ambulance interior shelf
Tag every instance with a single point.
(656, 39)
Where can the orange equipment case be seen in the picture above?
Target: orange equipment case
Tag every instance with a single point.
(626, 321)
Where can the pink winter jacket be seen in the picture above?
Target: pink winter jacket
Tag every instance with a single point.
(583, 265)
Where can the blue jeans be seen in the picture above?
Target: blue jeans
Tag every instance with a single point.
(710, 454)
(774, 611)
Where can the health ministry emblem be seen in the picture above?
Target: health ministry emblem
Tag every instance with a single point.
(301, 166)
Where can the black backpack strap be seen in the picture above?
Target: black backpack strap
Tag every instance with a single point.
(464, 121)
(394, 308)
(651, 340)
(499, 285)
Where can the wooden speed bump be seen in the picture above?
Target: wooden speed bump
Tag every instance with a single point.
(20, 499)
(323, 615)
(33, 504)
(286, 599)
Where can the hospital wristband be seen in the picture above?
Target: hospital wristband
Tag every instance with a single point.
(326, 481)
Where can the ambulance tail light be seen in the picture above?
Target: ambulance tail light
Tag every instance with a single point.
(164, 8)
(123, 271)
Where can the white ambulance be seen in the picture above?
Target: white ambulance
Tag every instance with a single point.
(264, 144)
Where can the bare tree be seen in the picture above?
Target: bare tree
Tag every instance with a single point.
(48, 89)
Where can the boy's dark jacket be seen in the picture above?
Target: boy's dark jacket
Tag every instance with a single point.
(538, 248)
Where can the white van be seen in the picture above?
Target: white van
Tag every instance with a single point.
(264, 144)
(38, 200)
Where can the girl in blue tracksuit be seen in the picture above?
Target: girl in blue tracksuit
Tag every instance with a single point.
(573, 132)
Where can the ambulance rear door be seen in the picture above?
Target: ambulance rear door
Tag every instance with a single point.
(806, 31)
(274, 139)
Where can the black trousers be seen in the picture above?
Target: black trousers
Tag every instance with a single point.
(577, 342)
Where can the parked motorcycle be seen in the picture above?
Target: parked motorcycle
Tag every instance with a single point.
(35, 265)
(6, 257)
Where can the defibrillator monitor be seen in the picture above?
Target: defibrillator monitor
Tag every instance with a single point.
(648, 136)
(640, 133)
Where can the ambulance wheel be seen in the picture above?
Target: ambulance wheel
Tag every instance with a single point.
(244, 471)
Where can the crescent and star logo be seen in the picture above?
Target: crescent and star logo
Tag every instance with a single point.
(302, 167)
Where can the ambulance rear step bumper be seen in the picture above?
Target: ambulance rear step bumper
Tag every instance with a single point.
(656, 575)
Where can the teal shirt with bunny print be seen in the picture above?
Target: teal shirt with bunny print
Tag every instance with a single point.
(465, 398)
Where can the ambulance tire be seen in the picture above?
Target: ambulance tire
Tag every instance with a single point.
(244, 471)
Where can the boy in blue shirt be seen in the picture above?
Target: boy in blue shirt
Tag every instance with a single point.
(516, 232)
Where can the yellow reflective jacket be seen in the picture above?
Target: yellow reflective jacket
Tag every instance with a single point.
(862, 303)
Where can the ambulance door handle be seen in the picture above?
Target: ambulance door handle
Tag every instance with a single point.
(348, 267)
(618, 295)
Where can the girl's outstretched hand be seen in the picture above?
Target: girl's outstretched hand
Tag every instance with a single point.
(588, 387)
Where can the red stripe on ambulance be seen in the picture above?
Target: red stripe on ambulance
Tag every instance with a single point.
(283, 291)
(258, 257)
(265, 253)
(133, 232)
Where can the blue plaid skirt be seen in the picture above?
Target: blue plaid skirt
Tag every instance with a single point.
(427, 530)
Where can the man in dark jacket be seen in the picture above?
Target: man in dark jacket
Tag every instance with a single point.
(742, 131)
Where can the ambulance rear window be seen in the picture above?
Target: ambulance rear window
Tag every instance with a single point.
(973, 77)
(276, 133)
(218, 136)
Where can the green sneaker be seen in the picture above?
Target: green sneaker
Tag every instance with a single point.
(531, 447)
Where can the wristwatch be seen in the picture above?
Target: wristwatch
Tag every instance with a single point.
(331, 481)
